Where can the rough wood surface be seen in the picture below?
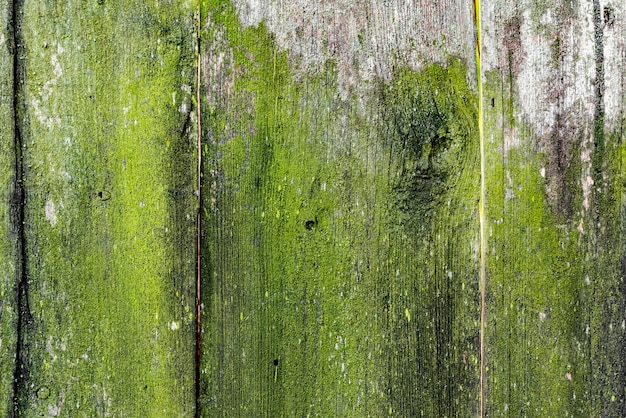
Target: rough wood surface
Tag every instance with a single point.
(340, 192)
(554, 115)
(341, 239)
(106, 324)
(8, 235)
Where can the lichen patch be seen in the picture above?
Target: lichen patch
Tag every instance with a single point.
(51, 214)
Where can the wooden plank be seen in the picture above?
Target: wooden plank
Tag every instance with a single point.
(8, 235)
(108, 164)
(554, 121)
(341, 182)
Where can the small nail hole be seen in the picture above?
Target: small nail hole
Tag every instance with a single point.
(102, 195)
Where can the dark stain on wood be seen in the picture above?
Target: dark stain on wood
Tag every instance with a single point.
(513, 43)
(20, 128)
(609, 16)
(598, 128)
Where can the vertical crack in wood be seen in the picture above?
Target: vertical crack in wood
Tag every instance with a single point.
(198, 216)
(598, 128)
(20, 374)
(481, 209)
(602, 200)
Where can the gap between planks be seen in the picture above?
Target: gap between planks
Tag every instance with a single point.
(481, 208)
(198, 214)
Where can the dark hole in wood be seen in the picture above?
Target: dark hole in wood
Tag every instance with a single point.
(493, 102)
(609, 16)
(275, 362)
(310, 224)
(102, 195)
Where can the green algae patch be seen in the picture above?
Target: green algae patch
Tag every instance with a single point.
(429, 124)
(534, 281)
(9, 261)
(275, 337)
(554, 275)
(332, 283)
(110, 210)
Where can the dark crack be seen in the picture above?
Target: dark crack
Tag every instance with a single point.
(24, 319)
(598, 128)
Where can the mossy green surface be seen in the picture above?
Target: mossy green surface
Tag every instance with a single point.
(340, 272)
(555, 281)
(430, 118)
(340, 232)
(110, 209)
(8, 236)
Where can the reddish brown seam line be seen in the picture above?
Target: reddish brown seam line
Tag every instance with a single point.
(198, 219)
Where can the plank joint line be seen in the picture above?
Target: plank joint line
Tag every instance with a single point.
(198, 215)
(481, 207)
(18, 199)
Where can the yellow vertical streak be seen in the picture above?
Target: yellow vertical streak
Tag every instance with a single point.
(481, 209)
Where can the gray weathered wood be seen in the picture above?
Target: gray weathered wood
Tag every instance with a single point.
(554, 105)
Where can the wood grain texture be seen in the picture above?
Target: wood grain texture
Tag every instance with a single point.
(341, 238)
(109, 228)
(8, 233)
(340, 187)
(367, 39)
(554, 106)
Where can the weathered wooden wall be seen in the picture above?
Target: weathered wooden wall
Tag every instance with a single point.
(352, 119)
(340, 202)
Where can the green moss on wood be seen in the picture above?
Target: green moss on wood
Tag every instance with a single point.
(110, 215)
(554, 277)
(8, 235)
(332, 282)
(429, 124)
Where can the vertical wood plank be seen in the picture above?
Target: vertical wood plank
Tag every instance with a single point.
(341, 184)
(8, 230)
(109, 168)
(554, 106)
